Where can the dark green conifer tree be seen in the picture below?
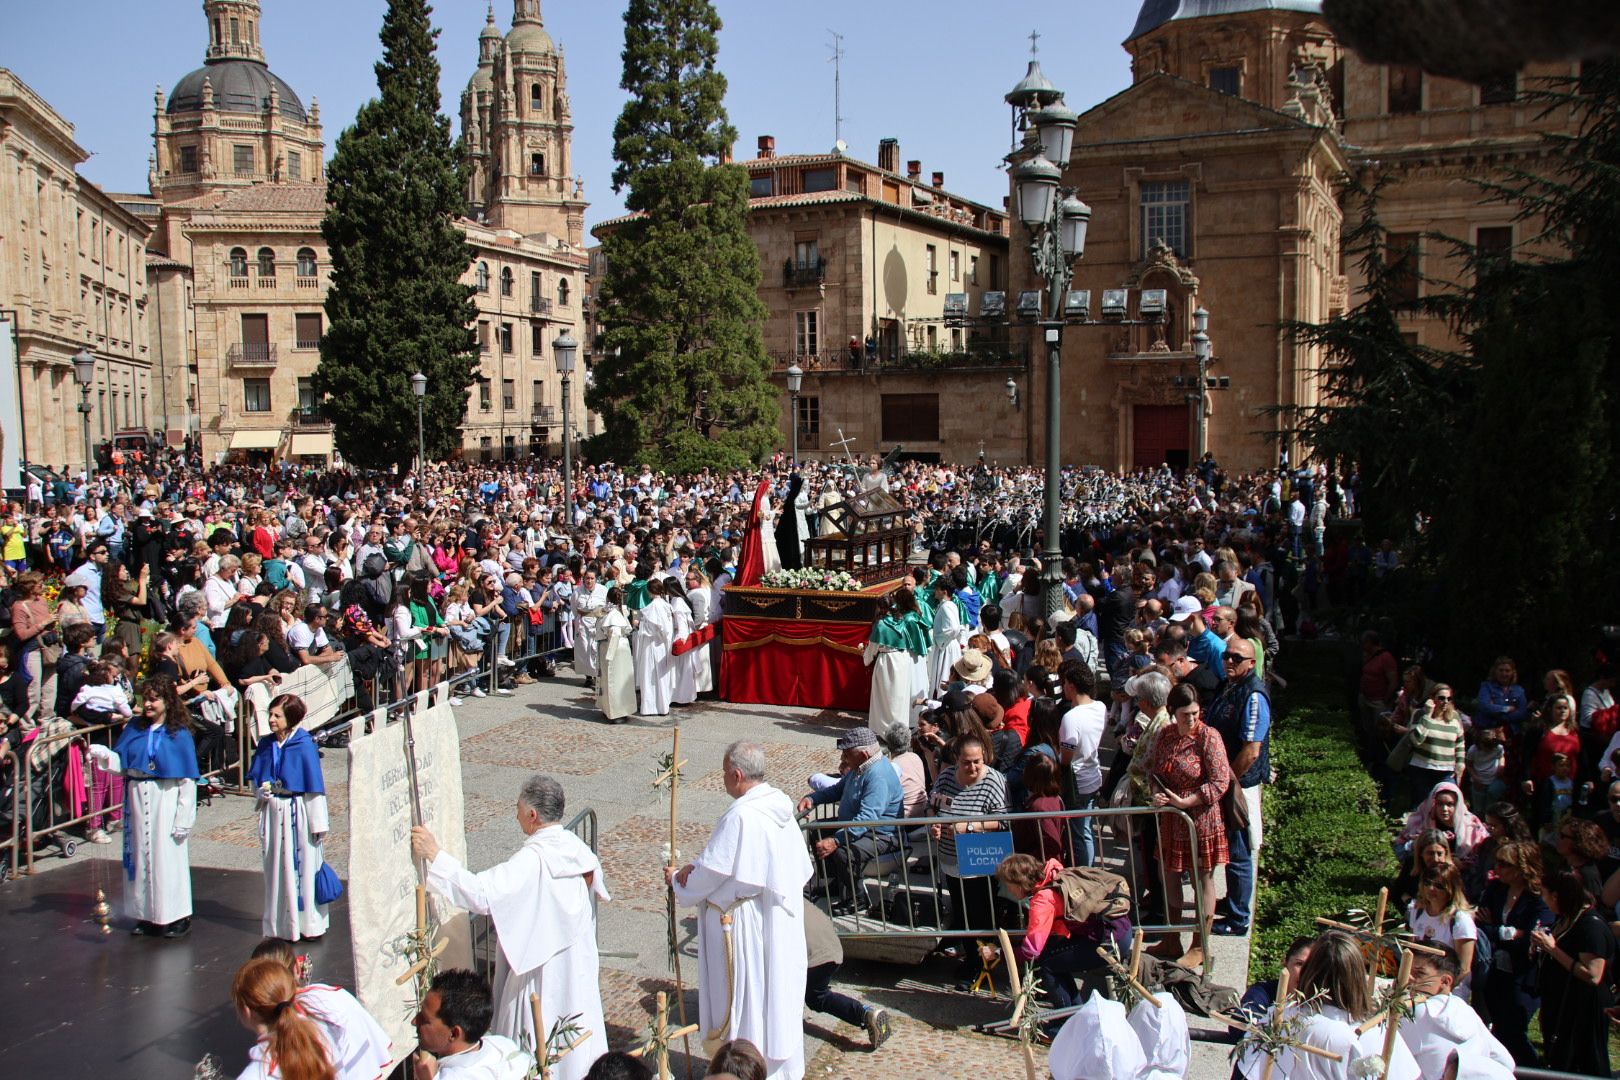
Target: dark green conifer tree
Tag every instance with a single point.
(396, 304)
(684, 381)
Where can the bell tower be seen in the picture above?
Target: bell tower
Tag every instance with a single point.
(233, 30)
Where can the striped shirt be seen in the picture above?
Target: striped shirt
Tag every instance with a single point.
(1437, 745)
(986, 798)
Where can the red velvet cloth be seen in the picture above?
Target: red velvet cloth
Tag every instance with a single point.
(807, 663)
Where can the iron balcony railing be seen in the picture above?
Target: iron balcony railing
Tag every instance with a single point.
(251, 354)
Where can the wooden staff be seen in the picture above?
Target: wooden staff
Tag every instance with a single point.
(674, 775)
(1019, 1000)
(1378, 932)
(540, 1048)
(1276, 1023)
(1136, 952)
(1125, 973)
(418, 969)
(1415, 946)
(658, 1039)
(1403, 974)
(1284, 984)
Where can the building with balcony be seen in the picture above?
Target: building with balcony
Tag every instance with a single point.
(1214, 177)
(72, 278)
(867, 273)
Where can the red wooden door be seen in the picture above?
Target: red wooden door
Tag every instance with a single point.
(1159, 436)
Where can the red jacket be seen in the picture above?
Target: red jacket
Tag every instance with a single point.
(1045, 914)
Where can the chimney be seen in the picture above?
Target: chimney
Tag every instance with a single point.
(1006, 203)
(725, 154)
(913, 170)
(767, 146)
(939, 180)
(889, 155)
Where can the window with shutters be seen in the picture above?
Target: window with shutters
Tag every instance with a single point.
(295, 165)
(188, 159)
(1403, 253)
(1493, 245)
(508, 394)
(910, 418)
(307, 330)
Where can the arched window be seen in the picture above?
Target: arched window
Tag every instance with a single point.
(537, 164)
(306, 262)
(483, 277)
(562, 292)
(238, 262)
(267, 263)
(536, 97)
(506, 281)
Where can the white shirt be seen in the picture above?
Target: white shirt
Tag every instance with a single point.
(301, 636)
(1081, 733)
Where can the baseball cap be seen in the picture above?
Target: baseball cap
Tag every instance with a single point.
(1185, 607)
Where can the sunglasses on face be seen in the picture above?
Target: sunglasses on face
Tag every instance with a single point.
(1233, 658)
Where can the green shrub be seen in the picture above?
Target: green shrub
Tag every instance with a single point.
(1327, 842)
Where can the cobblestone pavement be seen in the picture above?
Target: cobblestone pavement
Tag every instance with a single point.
(552, 726)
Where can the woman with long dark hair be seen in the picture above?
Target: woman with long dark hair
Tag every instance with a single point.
(159, 761)
(293, 823)
(1575, 956)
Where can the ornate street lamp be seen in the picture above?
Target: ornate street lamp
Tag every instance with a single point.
(84, 373)
(1201, 351)
(419, 388)
(795, 380)
(565, 349)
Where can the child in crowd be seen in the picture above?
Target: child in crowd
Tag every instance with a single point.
(101, 699)
(1442, 915)
(1486, 759)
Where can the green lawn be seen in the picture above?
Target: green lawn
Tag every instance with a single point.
(1327, 842)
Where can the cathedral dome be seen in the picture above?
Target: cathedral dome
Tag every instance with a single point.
(240, 86)
(1155, 13)
(530, 37)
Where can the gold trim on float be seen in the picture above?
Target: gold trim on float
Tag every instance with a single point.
(779, 639)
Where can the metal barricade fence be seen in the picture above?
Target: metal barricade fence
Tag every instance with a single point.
(894, 872)
(51, 774)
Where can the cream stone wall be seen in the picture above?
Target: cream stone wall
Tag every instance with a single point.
(72, 268)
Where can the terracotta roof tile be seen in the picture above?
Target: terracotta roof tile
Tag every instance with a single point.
(261, 198)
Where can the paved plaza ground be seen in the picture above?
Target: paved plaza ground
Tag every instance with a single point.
(553, 727)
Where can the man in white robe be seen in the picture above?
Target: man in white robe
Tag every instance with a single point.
(654, 635)
(945, 649)
(748, 887)
(697, 594)
(590, 599)
(540, 901)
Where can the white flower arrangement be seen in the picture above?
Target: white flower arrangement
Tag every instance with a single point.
(812, 578)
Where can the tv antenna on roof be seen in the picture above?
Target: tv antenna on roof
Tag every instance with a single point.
(837, 61)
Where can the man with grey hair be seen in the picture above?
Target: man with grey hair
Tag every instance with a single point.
(748, 887)
(541, 901)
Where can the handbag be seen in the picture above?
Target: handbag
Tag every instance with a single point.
(1234, 808)
(50, 651)
(1401, 754)
(327, 886)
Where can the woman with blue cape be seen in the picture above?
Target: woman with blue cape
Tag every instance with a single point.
(158, 758)
(286, 774)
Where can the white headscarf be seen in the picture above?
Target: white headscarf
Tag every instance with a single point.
(1164, 1037)
(1096, 1043)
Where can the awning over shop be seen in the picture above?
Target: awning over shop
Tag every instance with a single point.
(316, 444)
(255, 440)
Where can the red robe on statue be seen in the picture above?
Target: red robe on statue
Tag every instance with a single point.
(751, 567)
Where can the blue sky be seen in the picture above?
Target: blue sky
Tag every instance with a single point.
(929, 72)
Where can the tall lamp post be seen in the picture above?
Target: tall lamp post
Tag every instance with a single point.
(1057, 222)
(1201, 351)
(84, 373)
(795, 380)
(419, 388)
(565, 348)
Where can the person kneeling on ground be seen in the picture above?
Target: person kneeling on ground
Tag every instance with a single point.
(825, 953)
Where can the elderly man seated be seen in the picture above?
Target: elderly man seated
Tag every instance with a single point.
(867, 790)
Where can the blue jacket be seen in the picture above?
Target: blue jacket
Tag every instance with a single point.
(870, 793)
(1500, 705)
(1242, 714)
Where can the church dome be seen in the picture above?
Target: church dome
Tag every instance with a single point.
(240, 86)
(530, 37)
(1155, 13)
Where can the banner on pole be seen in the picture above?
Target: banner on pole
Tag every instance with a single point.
(382, 875)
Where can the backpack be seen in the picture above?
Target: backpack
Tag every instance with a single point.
(275, 572)
(378, 582)
(1088, 892)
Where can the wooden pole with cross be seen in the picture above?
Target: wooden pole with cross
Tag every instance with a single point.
(660, 1035)
(670, 776)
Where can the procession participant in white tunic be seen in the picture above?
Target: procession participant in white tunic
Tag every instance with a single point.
(684, 691)
(949, 635)
(771, 554)
(698, 595)
(1166, 1042)
(293, 823)
(159, 761)
(1097, 1043)
(895, 640)
(302, 1031)
(748, 887)
(540, 901)
(590, 598)
(1445, 1022)
(616, 683)
(830, 496)
(655, 632)
(453, 1037)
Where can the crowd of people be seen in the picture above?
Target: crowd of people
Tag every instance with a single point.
(144, 608)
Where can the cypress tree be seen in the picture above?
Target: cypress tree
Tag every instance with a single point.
(684, 382)
(397, 304)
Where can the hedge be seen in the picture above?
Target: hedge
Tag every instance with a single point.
(1327, 842)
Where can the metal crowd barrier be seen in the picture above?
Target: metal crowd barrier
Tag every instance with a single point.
(583, 825)
(900, 890)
